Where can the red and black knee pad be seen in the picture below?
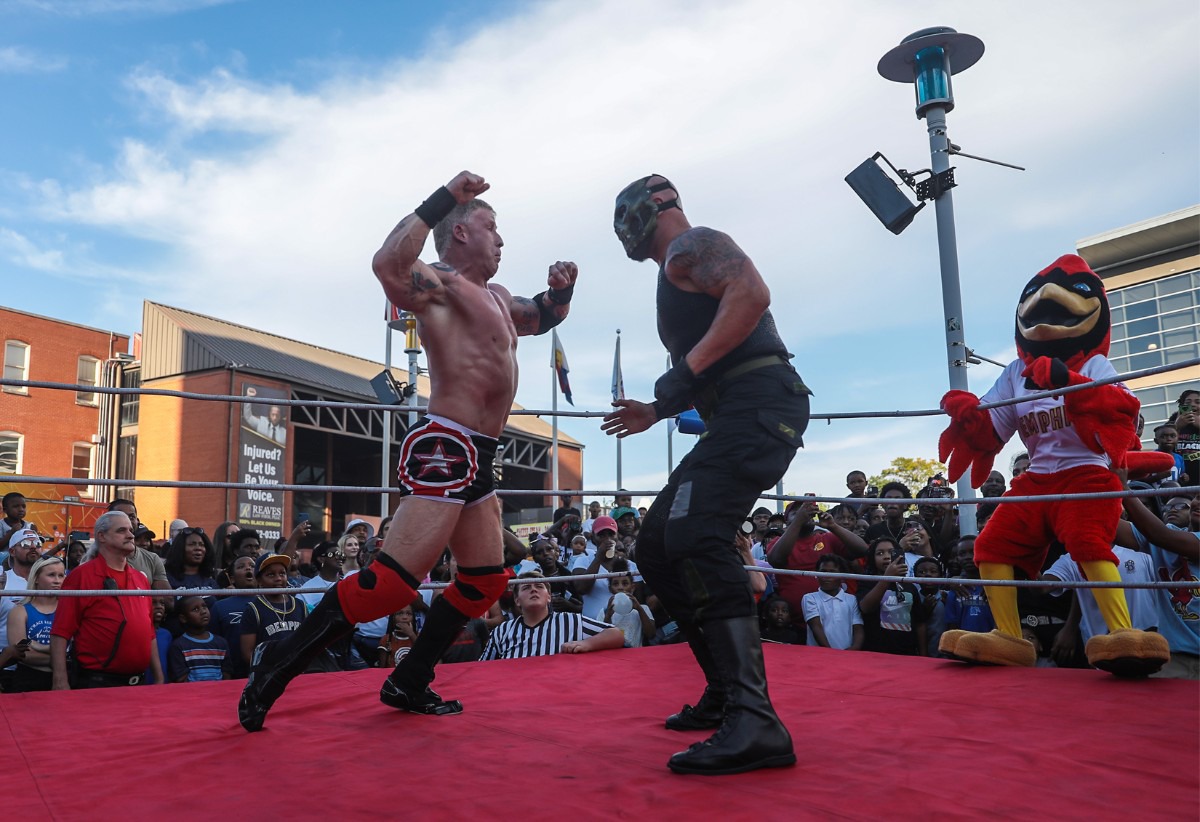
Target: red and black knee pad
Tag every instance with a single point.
(475, 589)
(378, 590)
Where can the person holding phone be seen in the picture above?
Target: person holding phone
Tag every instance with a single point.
(1187, 424)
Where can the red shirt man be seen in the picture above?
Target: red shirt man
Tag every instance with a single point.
(114, 636)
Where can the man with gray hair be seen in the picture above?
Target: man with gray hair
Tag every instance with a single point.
(114, 636)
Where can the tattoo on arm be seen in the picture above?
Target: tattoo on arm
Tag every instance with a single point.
(525, 316)
(422, 282)
(441, 266)
(711, 257)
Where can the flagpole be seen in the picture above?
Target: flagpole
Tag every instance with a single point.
(622, 392)
(386, 477)
(670, 435)
(554, 409)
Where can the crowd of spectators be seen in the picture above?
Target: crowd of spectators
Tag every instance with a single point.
(887, 534)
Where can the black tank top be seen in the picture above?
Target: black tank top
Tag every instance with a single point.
(685, 316)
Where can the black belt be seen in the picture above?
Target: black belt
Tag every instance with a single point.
(750, 365)
(1034, 621)
(87, 677)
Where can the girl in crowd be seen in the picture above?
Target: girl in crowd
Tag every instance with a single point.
(190, 561)
(76, 549)
(351, 551)
(223, 550)
(892, 623)
(916, 541)
(29, 623)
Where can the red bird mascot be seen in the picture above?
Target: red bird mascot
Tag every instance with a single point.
(1074, 441)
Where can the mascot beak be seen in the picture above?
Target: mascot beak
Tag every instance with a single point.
(1057, 313)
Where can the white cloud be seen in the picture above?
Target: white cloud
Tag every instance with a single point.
(756, 109)
(18, 60)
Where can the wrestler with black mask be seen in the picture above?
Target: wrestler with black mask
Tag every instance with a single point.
(729, 362)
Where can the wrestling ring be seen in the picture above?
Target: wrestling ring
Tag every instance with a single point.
(582, 736)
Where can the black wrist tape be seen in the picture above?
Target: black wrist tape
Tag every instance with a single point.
(435, 209)
(561, 296)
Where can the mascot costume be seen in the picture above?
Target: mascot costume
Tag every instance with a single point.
(1062, 333)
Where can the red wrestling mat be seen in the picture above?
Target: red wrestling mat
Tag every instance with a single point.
(581, 737)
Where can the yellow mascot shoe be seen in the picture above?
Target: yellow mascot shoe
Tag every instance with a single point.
(995, 648)
(949, 642)
(1128, 652)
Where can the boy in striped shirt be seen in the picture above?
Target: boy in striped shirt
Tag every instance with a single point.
(198, 655)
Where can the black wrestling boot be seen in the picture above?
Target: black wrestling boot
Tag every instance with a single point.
(751, 736)
(708, 712)
(275, 664)
(407, 687)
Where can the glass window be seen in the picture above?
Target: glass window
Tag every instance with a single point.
(1175, 302)
(1178, 319)
(81, 466)
(127, 457)
(1118, 349)
(16, 365)
(1116, 315)
(1182, 336)
(1115, 299)
(1175, 355)
(1135, 293)
(1138, 328)
(130, 403)
(1139, 310)
(88, 373)
(1149, 359)
(10, 452)
(1147, 343)
(1172, 284)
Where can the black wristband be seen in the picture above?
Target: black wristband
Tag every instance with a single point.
(435, 209)
(547, 319)
(561, 296)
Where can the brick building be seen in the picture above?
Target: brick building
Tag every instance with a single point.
(167, 438)
(48, 432)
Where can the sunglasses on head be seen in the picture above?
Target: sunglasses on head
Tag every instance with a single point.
(187, 532)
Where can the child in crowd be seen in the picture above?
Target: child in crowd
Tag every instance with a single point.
(1166, 437)
(832, 614)
(892, 623)
(777, 622)
(967, 607)
(198, 655)
(625, 612)
(158, 615)
(400, 636)
(932, 602)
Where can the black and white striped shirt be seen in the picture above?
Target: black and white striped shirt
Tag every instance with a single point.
(516, 640)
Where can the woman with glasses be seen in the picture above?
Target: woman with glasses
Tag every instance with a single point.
(190, 560)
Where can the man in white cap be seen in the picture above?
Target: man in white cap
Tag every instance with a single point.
(24, 547)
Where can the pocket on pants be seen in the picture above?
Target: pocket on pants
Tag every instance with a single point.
(774, 442)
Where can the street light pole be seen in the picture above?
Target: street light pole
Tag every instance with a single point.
(927, 58)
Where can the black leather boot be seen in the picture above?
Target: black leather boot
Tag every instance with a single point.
(275, 664)
(407, 687)
(751, 736)
(708, 712)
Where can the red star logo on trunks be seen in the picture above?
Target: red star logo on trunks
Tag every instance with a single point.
(436, 461)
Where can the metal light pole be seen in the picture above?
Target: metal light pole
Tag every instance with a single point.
(927, 58)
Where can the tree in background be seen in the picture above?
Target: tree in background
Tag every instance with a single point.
(912, 471)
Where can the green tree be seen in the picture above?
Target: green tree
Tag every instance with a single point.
(912, 471)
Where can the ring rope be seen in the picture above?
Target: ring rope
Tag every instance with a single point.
(936, 581)
(539, 492)
(360, 406)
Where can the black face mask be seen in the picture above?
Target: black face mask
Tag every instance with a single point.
(635, 218)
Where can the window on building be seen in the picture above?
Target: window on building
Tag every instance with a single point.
(88, 373)
(1156, 323)
(130, 405)
(11, 446)
(16, 365)
(81, 466)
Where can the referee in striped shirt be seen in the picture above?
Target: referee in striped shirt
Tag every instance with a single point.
(540, 632)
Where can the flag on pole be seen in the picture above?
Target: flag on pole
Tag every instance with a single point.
(558, 361)
(618, 382)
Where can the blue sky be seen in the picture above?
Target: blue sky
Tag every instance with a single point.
(245, 160)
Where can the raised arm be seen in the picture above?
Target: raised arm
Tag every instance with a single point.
(538, 314)
(408, 282)
(712, 262)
